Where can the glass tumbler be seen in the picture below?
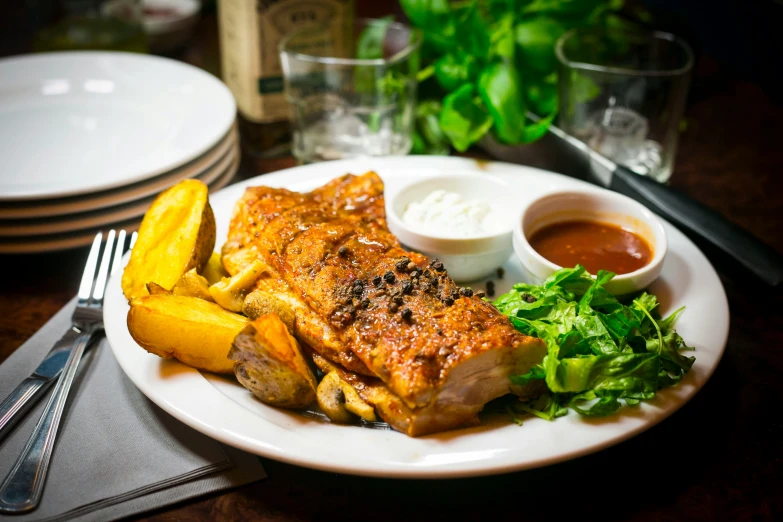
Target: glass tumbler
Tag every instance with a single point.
(351, 92)
(623, 93)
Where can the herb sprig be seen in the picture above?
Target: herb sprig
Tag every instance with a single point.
(486, 62)
(600, 350)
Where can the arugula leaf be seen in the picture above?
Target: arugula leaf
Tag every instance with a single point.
(593, 330)
(601, 352)
(535, 373)
(601, 279)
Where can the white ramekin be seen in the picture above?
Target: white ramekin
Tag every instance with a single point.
(594, 205)
(465, 259)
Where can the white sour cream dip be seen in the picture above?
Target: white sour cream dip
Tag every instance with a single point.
(447, 215)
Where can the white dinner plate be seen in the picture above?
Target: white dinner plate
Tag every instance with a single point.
(43, 208)
(79, 238)
(224, 410)
(78, 122)
(102, 217)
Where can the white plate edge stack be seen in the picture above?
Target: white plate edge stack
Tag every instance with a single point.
(64, 215)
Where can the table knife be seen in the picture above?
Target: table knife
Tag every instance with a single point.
(31, 389)
(683, 211)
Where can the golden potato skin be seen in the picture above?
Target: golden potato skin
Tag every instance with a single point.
(176, 234)
(191, 330)
(270, 364)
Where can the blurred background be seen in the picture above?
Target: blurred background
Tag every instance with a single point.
(743, 37)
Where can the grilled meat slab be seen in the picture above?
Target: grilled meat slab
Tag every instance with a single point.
(365, 303)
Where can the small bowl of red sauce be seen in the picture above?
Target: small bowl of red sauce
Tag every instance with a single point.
(598, 229)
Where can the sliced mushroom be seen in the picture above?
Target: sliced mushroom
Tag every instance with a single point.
(340, 402)
(230, 292)
(192, 285)
(258, 303)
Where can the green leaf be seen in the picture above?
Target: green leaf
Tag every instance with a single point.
(605, 405)
(631, 374)
(472, 32)
(462, 119)
(599, 351)
(668, 323)
(501, 39)
(535, 373)
(369, 45)
(603, 277)
(426, 14)
(436, 20)
(428, 136)
(501, 91)
(454, 70)
(535, 39)
(535, 131)
(563, 275)
(541, 95)
(621, 322)
(594, 332)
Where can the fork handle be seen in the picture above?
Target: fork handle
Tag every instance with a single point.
(21, 490)
(20, 400)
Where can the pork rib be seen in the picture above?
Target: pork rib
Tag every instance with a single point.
(441, 353)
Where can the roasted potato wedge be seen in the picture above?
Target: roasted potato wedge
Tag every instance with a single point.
(192, 285)
(230, 292)
(214, 271)
(176, 234)
(258, 303)
(156, 289)
(194, 331)
(270, 364)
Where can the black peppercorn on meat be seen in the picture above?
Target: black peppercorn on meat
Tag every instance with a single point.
(442, 380)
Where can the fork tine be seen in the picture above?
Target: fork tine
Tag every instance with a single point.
(118, 251)
(103, 271)
(134, 237)
(89, 268)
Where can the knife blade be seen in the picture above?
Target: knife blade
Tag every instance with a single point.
(693, 217)
(32, 388)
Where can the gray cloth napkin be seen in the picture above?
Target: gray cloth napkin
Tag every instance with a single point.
(117, 454)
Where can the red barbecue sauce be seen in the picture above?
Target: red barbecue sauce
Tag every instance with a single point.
(594, 245)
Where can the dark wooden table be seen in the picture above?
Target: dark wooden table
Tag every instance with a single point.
(718, 458)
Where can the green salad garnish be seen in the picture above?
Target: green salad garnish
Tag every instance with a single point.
(600, 350)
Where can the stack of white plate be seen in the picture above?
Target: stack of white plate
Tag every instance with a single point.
(89, 139)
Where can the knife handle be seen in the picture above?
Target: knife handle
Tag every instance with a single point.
(19, 401)
(21, 490)
(696, 218)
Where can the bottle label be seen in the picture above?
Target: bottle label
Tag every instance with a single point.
(250, 35)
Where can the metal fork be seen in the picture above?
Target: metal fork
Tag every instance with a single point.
(21, 490)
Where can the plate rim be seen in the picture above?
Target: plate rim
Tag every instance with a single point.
(224, 435)
(84, 237)
(124, 211)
